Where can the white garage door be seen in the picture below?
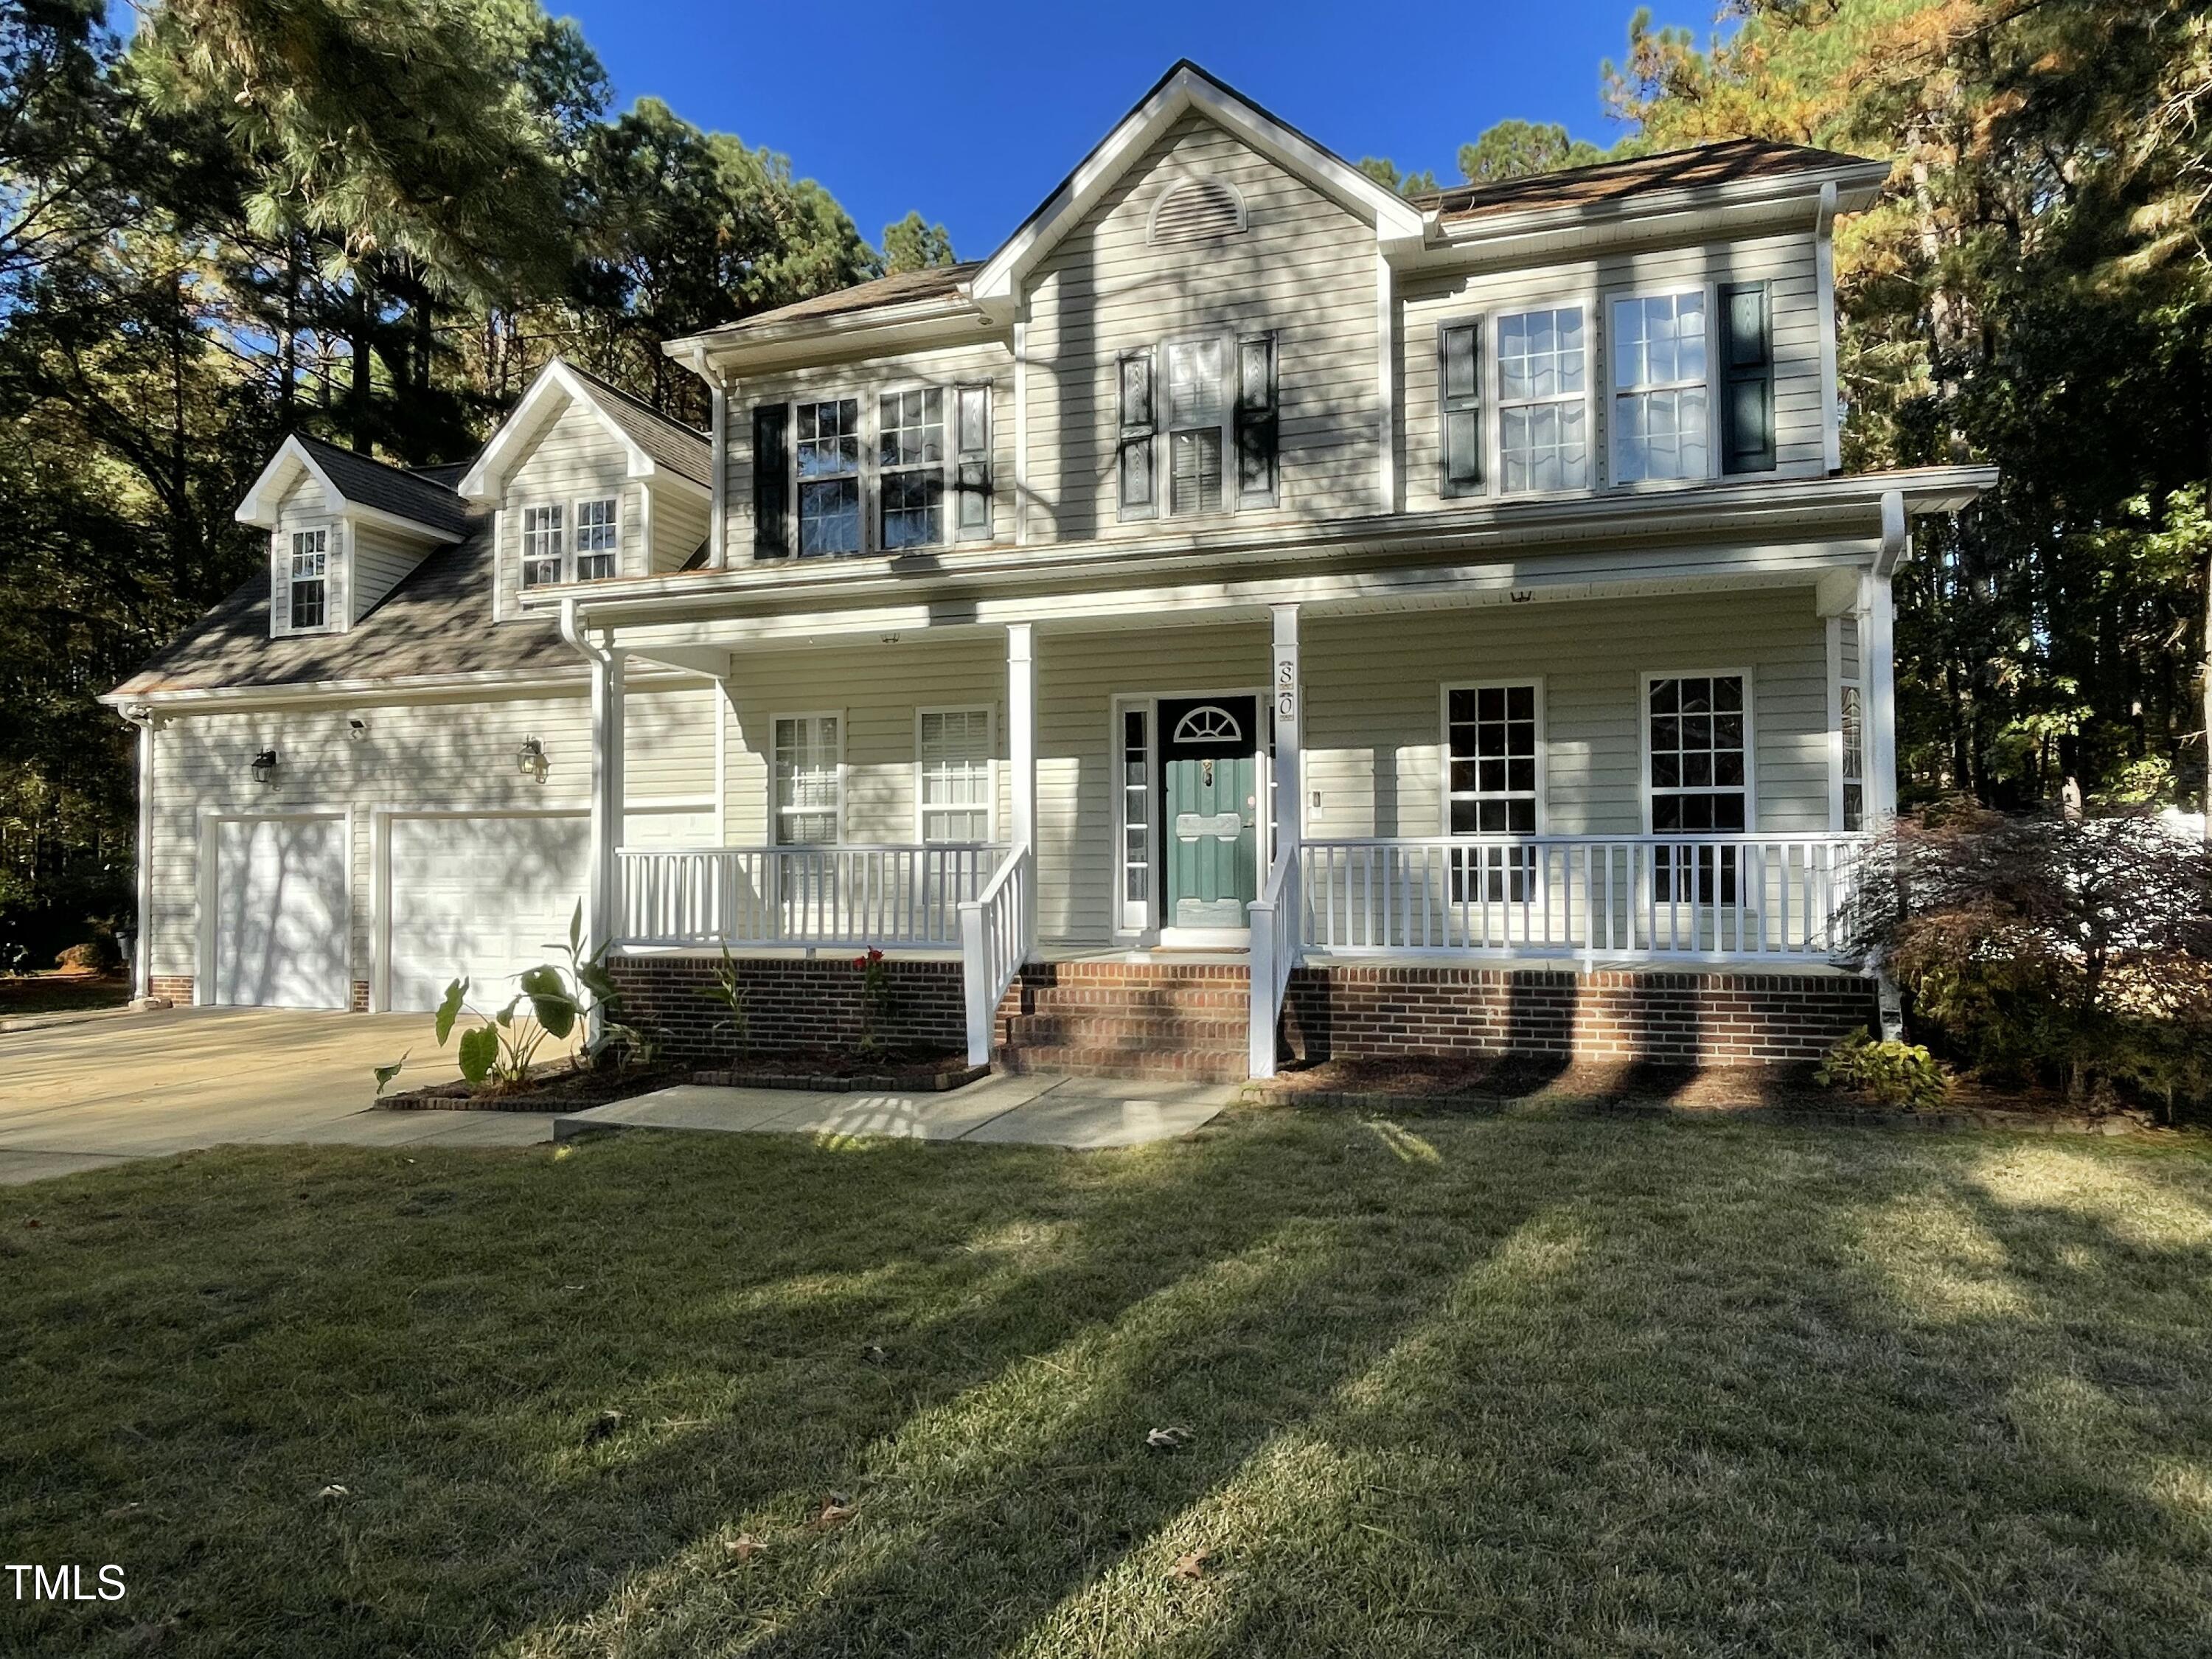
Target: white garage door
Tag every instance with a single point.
(281, 924)
(481, 898)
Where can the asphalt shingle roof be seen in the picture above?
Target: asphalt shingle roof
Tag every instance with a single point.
(369, 483)
(1675, 169)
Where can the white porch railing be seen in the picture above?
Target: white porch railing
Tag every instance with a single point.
(1275, 938)
(1751, 898)
(994, 941)
(904, 897)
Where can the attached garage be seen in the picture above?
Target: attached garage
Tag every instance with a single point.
(278, 918)
(480, 896)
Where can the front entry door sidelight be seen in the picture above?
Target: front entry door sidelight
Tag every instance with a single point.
(1209, 788)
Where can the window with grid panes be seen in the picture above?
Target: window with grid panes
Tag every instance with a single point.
(910, 465)
(1698, 743)
(827, 455)
(956, 775)
(1491, 757)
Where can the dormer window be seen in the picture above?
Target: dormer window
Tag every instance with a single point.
(543, 545)
(310, 578)
(599, 537)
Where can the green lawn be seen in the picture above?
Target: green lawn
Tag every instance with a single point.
(1518, 1385)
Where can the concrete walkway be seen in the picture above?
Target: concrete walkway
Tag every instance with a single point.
(1040, 1111)
(83, 1095)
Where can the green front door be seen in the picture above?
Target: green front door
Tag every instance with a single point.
(1210, 785)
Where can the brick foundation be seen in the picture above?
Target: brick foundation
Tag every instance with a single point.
(791, 1003)
(172, 987)
(1674, 1019)
(360, 1002)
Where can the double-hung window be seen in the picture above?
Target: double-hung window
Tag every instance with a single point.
(1543, 400)
(1490, 785)
(829, 467)
(543, 545)
(1661, 403)
(599, 536)
(953, 751)
(309, 578)
(1699, 745)
(809, 784)
(910, 463)
(1197, 423)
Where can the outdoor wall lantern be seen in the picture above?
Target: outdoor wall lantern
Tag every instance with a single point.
(356, 728)
(265, 766)
(530, 759)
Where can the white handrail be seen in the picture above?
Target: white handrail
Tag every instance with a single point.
(996, 932)
(1277, 928)
(897, 896)
(1747, 897)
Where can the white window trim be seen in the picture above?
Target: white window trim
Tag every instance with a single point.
(990, 714)
(1751, 802)
(872, 470)
(523, 510)
(864, 427)
(775, 809)
(1119, 708)
(1593, 307)
(1165, 429)
(1710, 291)
(333, 545)
(576, 522)
(1443, 746)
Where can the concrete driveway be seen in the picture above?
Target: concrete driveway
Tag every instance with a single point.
(78, 1096)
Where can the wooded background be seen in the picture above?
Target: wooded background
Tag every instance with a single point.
(374, 220)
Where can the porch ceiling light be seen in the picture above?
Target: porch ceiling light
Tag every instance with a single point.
(530, 759)
(265, 766)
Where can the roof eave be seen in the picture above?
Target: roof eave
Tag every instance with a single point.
(1856, 188)
(737, 343)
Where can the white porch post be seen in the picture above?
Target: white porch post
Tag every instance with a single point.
(142, 932)
(1020, 751)
(1878, 675)
(603, 906)
(1290, 714)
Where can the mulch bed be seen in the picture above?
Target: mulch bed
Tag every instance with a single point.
(62, 993)
(906, 1070)
(1463, 1083)
(553, 1090)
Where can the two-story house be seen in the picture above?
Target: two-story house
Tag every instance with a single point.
(1248, 614)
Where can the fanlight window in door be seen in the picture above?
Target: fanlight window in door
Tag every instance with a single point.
(1208, 723)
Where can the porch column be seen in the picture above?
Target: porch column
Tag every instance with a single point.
(603, 903)
(1290, 712)
(1878, 675)
(142, 930)
(1021, 732)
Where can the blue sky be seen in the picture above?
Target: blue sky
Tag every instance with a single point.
(973, 112)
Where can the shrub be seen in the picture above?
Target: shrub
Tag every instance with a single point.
(90, 957)
(1894, 1073)
(2072, 950)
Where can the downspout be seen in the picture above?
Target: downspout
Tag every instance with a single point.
(599, 912)
(141, 715)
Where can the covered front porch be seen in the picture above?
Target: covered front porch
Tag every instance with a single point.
(1674, 776)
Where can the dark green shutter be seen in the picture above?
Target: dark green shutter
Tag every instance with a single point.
(1256, 423)
(1747, 387)
(971, 437)
(1459, 387)
(1138, 491)
(771, 481)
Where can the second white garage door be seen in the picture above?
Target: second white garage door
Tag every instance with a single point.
(479, 897)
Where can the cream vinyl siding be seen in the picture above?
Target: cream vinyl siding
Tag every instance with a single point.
(378, 560)
(875, 690)
(1373, 740)
(445, 756)
(1303, 267)
(1783, 263)
(302, 508)
(988, 363)
(574, 459)
(680, 519)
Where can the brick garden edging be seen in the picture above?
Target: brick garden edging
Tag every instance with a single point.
(791, 1003)
(1690, 1019)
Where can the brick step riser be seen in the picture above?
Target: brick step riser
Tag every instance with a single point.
(1032, 1030)
(1185, 1066)
(1078, 1004)
(1150, 977)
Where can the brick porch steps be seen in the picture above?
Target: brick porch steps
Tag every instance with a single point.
(1181, 1021)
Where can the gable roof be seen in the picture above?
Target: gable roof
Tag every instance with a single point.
(1732, 160)
(436, 621)
(655, 446)
(936, 283)
(1184, 88)
(351, 481)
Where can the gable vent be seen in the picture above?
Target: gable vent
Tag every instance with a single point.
(1196, 210)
